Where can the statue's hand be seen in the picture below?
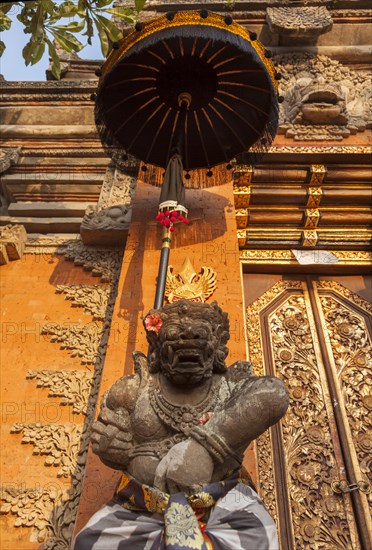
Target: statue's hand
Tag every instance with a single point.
(186, 467)
(112, 438)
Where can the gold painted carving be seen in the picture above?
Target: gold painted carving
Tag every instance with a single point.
(73, 387)
(309, 238)
(93, 299)
(312, 217)
(285, 257)
(318, 517)
(318, 172)
(241, 216)
(352, 353)
(242, 174)
(242, 195)
(190, 285)
(314, 197)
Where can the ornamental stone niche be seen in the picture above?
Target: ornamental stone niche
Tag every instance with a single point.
(323, 99)
(178, 429)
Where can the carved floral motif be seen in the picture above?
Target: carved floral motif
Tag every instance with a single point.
(81, 340)
(319, 518)
(74, 387)
(306, 433)
(60, 443)
(352, 353)
(101, 262)
(93, 299)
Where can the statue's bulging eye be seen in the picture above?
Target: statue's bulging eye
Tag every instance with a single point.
(203, 333)
(171, 334)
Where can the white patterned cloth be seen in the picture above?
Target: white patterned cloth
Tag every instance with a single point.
(239, 521)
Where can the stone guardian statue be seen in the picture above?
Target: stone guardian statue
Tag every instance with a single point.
(178, 428)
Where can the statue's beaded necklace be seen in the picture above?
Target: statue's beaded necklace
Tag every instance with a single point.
(181, 417)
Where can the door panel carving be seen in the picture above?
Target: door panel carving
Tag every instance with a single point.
(305, 452)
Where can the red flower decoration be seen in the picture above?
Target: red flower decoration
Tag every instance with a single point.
(153, 322)
(205, 417)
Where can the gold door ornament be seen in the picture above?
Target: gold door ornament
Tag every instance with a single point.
(304, 453)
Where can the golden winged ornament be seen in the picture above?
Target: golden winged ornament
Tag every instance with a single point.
(190, 285)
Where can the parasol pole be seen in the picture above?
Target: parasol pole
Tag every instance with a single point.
(184, 100)
(163, 268)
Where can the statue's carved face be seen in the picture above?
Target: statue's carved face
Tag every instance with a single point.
(187, 350)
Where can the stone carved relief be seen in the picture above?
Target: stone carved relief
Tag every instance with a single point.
(8, 157)
(352, 353)
(51, 513)
(34, 509)
(108, 221)
(93, 299)
(82, 341)
(319, 517)
(301, 23)
(73, 387)
(323, 98)
(12, 243)
(101, 262)
(58, 442)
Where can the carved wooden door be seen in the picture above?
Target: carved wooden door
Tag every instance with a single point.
(315, 334)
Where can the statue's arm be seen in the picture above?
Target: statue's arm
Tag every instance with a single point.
(256, 403)
(112, 436)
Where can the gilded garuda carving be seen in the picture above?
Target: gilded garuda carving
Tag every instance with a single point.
(189, 285)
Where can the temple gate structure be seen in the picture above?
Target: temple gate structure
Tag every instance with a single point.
(289, 240)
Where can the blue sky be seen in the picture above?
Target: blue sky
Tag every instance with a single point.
(12, 64)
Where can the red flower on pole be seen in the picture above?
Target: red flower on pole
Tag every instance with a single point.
(153, 322)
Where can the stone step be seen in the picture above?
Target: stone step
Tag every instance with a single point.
(64, 209)
(44, 225)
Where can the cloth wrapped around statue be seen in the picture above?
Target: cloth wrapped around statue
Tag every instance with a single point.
(178, 429)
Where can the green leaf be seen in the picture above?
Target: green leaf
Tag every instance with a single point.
(111, 30)
(5, 22)
(33, 51)
(139, 4)
(123, 13)
(103, 3)
(74, 26)
(103, 39)
(67, 40)
(56, 64)
(6, 6)
(2, 47)
(67, 9)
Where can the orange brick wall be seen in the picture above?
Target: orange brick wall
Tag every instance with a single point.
(28, 301)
